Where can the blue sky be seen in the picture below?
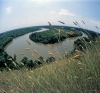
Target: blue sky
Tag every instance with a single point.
(23, 13)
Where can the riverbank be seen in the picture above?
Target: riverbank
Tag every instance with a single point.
(30, 52)
(43, 49)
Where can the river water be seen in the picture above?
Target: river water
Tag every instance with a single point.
(19, 45)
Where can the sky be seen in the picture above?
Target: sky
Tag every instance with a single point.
(24, 13)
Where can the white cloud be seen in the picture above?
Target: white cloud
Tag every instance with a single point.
(49, 7)
(16, 24)
(65, 12)
(23, 23)
(39, 1)
(9, 9)
(52, 12)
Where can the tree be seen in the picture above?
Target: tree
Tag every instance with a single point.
(50, 59)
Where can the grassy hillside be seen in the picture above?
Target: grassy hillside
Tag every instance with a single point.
(77, 73)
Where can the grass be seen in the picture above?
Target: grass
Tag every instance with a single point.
(72, 74)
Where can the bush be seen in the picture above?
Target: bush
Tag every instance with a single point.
(50, 59)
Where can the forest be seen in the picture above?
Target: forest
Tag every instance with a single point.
(80, 43)
(51, 36)
(8, 62)
(5, 59)
(54, 35)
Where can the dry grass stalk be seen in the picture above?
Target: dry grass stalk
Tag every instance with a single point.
(90, 42)
(80, 38)
(32, 54)
(9, 69)
(74, 23)
(5, 64)
(21, 53)
(57, 52)
(36, 52)
(81, 53)
(97, 27)
(59, 30)
(75, 77)
(50, 46)
(71, 32)
(83, 22)
(66, 52)
(49, 24)
(10, 59)
(71, 40)
(62, 31)
(61, 22)
(79, 63)
(22, 63)
(89, 78)
(72, 28)
(50, 53)
(29, 77)
(80, 69)
(28, 42)
(77, 57)
(31, 71)
(77, 51)
(14, 63)
(27, 49)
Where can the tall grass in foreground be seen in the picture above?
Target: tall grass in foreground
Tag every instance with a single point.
(70, 75)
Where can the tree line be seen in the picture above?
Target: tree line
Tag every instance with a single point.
(8, 62)
(5, 38)
(52, 35)
(81, 43)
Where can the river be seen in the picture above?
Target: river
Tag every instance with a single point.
(19, 45)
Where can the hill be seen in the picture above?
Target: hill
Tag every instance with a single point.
(79, 72)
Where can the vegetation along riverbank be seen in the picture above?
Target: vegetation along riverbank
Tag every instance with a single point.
(55, 34)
